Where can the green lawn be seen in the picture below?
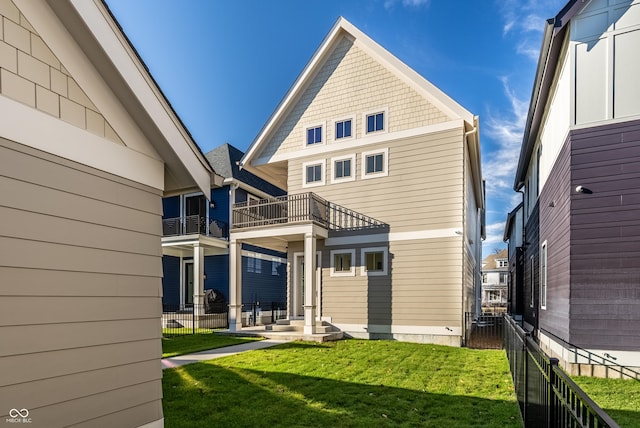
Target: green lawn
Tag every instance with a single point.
(620, 398)
(349, 383)
(179, 345)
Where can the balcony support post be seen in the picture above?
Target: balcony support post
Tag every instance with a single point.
(235, 285)
(198, 282)
(310, 266)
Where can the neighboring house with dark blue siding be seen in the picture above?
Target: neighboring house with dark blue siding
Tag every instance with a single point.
(195, 241)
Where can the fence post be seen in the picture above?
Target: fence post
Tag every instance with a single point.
(551, 402)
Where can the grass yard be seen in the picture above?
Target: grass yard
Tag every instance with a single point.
(179, 345)
(620, 398)
(349, 383)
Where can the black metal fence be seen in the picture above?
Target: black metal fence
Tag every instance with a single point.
(180, 320)
(483, 331)
(546, 395)
(261, 313)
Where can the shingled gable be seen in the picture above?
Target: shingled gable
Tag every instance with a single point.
(344, 28)
(91, 45)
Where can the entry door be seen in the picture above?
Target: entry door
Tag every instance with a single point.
(188, 284)
(195, 206)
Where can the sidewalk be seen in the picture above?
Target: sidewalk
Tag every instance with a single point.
(181, 360)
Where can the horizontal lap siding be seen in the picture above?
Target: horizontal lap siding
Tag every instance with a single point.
(554, 228)
(423, 287)
(423, 190)
(605, 237)
(80, 262)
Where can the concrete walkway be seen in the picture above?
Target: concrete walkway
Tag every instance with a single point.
(181, 360)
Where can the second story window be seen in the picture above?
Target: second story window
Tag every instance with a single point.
(375, 163)
(314, 135)
(342, 168)
(313, 173)
(343, 129)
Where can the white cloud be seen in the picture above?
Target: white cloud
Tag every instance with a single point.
(390, 4)
(495, 232)
(506, 131)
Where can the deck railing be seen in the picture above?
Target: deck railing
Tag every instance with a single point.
(547, 396)
(303, 207)
(194, 224)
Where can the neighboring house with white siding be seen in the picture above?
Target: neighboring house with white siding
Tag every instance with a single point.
(88, 148)
(495, 274)
(384, 197)
(575, 240)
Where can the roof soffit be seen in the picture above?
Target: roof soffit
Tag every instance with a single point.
(117, 71)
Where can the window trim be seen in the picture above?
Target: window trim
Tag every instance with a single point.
(543, 275)
(335, 122)
(352, 177)
(323, 134)
(323, 168)
(351, 272)
(385, 120)
(363, 261)
(385, 164)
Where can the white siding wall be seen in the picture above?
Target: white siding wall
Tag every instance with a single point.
(605, 38)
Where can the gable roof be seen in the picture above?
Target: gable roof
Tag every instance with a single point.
(489, 262)
(554, 33)
(224, 160)
(341, 28)
(510, 219)
(87, 29)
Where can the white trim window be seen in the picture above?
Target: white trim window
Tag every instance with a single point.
(314, 134)
(375, 261)
(344, 129)
(375, 121)
(313, 173)
(375, 163)
(343, 168)
(343, 262)
(543, 276)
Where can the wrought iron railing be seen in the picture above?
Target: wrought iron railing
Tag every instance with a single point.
(546, 394)
(194, 224)
(302, 207)
(584, 356)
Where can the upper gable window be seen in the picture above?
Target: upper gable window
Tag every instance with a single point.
(375, 122)
(314, 135)
(343, 129)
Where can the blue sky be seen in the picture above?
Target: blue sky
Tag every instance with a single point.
(225, 64)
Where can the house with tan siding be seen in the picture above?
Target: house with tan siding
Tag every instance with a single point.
(382, 222)
(574, 241)
(88, 148)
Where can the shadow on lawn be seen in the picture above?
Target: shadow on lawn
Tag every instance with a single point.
(208, 395)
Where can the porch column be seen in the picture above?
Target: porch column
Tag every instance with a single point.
(198, 282)
(309, 283)
(235, 285)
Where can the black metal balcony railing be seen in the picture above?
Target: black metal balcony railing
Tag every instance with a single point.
(194, 224)
(303, 207)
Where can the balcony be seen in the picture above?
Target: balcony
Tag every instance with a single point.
(300, 208)
(194, 225)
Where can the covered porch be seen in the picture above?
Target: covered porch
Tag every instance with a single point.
(305, 219)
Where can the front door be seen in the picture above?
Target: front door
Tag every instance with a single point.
(187, 290)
